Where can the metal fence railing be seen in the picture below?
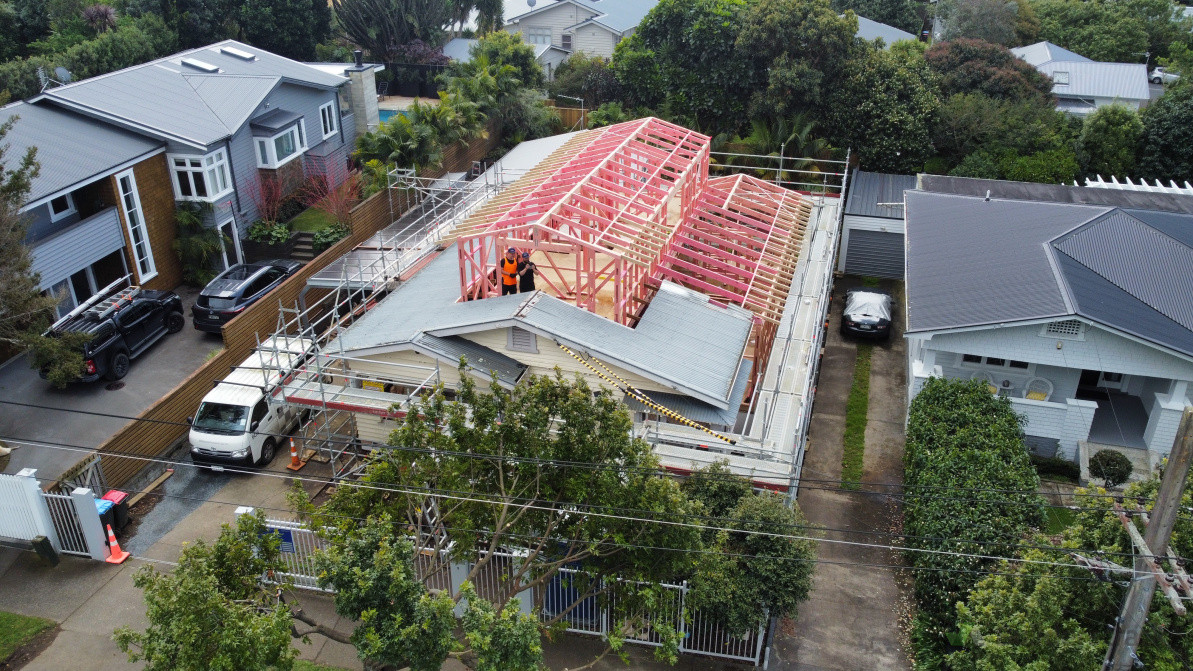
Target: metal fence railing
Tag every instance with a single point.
(67, 524)
(699, 633)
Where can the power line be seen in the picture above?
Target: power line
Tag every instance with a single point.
(611, 467)
(530, 505)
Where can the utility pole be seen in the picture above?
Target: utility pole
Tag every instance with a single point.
(1121, 654)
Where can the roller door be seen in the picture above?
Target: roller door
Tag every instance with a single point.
(875, 254)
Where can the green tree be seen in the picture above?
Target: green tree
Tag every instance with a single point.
(195, 22)
(380, 27)
(961, 435)
(401, 142)
(1113, 30)
(1109, 141)
(591, 79)
(974, 66)
(195, 244)
(502, 48)
(902, 14)
(212, 612)
(1167, 152)
(1112, 467)
(992, 21)
(884, 107)
(1054, 617)
(289, 28)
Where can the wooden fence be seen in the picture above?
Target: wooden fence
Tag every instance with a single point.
(163, 424)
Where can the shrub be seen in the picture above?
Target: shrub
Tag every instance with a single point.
(195, 244)
(327, 237)
(268, 232)
(1055, 467)
(1110, 466)
(59, 355)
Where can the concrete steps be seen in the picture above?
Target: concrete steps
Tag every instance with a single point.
(304, 247)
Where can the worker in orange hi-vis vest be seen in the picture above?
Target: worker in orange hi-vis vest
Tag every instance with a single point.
(509, 272)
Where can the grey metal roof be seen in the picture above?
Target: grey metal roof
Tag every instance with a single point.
(972, 262)
(1042, 52)
(526, 8)
(64, 160)
(169, 98)
(1153, 203)
(619, 15)
(871, 30)
(479, 357)
(682, 341)
(274, 120)
(697, 410)
(976, 262)
(868, 189)
(1090, 79)
(459, 48)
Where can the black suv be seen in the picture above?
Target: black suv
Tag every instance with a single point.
(122, 327)
(237, 288)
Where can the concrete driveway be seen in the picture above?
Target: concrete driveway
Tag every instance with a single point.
(852, 620)
(151, 376)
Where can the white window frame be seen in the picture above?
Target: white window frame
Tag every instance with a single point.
(328, 119)
(983, 365)
(532, 34)
(237, 253)
(212, 166)
(271, 159)
(138, 231)
(567, 40)
(70, 208)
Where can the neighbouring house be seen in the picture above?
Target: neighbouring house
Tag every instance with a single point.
(872, 228)
(232, 116)
(1072, 302)
(1082, 85)
(101, 207)
(593, 27)
(548, 56)
(872, 30)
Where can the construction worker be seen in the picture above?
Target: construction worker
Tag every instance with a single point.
(509, 272)
(526, 269)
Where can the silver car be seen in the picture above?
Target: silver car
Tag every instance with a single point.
(1162, 76)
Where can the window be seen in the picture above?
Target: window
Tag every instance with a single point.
(61, 207)
(276, 151)
(1022, 365)
(971, 358)
(994, 362)
(1060, 78)
(1068, 329)
(130, 203)
(566, 41)
(201, 178)
(537, 35)
(521, 340)
(327, 117)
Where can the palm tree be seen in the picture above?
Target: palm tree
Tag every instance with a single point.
(782, 149)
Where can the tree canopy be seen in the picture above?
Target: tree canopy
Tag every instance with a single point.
(381, 27)
(974, 66)
(289, 28)
(902, 14)
(1167, 152)
(1110, 140)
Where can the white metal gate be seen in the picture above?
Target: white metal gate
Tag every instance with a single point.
(69, 521)
(66, 523)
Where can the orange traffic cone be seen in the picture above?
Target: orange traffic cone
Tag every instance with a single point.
(118, 556)
(295, 464)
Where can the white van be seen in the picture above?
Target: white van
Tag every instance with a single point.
(236, 424)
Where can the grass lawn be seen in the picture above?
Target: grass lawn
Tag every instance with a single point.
(17, 630)
(855, 418)
(311, 220)
(1057, 519)
(304, 665)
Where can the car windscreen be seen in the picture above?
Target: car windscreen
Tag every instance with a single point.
(221, 303)
(221, 418)
(868, 304)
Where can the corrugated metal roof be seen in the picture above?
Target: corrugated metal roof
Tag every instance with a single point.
(1123, 81)
(182, 103)
(966, 268)
(1154, 203)
(1147, 264)
(620, 15)
(868, 189)
(274, 120)
(1042, 52)
(479, 357)
(696, 410)
(682, 341)
(64, 160)
(871, 30)
(459, 48)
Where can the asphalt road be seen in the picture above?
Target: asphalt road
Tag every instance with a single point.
(151, 376)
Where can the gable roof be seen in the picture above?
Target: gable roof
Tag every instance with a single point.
(1042, 52)
(529, 10)
(459, 48)
(868, 189)
(871, 30)
(66, 162)
(975, 262)
(619, 16)
(1090, 79)
(196, 97)
(683, 341)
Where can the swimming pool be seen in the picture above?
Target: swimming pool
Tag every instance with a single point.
(386, 115)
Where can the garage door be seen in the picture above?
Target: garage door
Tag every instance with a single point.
(875, 253)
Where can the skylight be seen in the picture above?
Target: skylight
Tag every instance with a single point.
(238, 53)
(200, 65)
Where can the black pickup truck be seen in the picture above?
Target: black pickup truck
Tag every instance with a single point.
(122, 326)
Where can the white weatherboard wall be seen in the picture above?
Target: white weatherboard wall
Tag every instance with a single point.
(556, 19)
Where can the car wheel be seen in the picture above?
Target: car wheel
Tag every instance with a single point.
(174, 322)
(118, 366)
(267, 451)
(1154, 81)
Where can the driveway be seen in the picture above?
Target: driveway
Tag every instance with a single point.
(852, 620)
(151, 376)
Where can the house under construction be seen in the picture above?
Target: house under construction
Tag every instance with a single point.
(700, 299)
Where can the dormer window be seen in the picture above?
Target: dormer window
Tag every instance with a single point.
(1060, 78)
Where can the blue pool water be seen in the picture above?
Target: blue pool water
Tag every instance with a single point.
(386, 115)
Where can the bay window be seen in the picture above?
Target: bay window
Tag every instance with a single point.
(280, 149)
(200, 178)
